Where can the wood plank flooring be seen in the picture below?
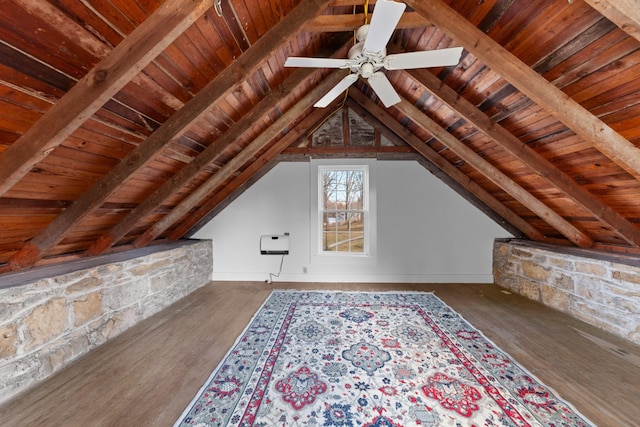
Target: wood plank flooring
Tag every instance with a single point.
(147, 376)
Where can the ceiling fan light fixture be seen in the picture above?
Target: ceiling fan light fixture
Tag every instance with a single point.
(368, 56)
(366, 70)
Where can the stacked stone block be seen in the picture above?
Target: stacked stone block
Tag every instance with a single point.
(47, 324)
(603, 293)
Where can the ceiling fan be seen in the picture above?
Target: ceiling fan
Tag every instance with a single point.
(369, 55)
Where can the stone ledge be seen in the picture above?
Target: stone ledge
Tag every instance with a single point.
(50, 322)
(599, 290)
(65, 267)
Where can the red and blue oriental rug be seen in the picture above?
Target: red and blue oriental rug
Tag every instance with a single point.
(360, 359)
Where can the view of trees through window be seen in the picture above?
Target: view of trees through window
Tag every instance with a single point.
(343, 210)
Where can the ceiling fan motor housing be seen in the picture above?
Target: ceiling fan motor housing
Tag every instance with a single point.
(359, 57)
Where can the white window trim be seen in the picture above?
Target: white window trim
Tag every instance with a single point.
(319, 256)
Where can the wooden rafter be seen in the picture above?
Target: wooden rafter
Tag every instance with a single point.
(492, 173)
(624, 13)
(431, 167)
(536, 87)
(173, 128)
(554, 176)
(204, 159)
(246, 155)
(354, 2)
(441, 163)
(99, 85)
(225, 194)
(337, 23)
(187, 173)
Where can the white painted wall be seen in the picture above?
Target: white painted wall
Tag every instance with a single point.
(425, 231)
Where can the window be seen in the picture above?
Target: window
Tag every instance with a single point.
(343, 209)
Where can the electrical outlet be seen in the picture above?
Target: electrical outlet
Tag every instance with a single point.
(304, 269)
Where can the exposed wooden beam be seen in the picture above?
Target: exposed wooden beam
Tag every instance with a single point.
(433, 168)
(447, 168)
(225, 194)
(91, 92)
(536, 87)
(246, 155)
(203, 160)
(73, 30)
(554, 176)
(353, 2)
(172, 129)
(624, 13)
(346, 135)
(187, 173)
(346, 151)
(492, 173)
(274, 154)
(338, 23)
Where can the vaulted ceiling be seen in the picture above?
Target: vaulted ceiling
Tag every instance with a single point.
(128, 123)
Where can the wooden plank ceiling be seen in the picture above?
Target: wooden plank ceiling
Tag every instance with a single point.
(125, 124)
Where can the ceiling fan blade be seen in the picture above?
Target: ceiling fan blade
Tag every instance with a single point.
(294, 61)
(337, 90)
(383, 88)
(423, 59)
(386, 16)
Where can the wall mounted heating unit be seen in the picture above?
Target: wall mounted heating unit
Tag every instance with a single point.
(274, 244)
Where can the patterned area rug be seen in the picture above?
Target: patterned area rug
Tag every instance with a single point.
(348, 359)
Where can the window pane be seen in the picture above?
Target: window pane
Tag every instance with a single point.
(330, 222)
(342, 209)
(356, 221)
(356, 204)
(357, 242)
(353, 190)
(329, 242)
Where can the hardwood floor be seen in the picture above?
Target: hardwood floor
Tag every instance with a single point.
(147, 376)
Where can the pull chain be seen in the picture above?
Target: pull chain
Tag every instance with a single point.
(366, 12)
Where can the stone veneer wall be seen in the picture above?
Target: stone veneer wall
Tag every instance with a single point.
(48, 323)
(603, 291)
